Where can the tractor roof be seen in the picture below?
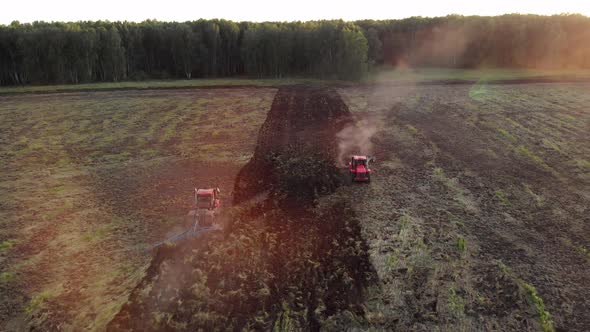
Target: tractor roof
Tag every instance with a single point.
(205, 191)
(359, 157)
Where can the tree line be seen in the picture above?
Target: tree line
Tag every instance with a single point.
(75, 52)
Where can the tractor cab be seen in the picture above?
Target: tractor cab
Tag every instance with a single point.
(202, 218)
(359, 168)
(207, 199)
(206, 204)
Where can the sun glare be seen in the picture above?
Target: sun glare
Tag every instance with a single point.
(267, 10)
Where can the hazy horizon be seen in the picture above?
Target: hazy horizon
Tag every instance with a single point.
(27, 11)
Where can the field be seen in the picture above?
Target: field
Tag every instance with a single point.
(425, 75)
(160, 85)
(481, 205)
(381, 75)
(476, 218)
(89, 180)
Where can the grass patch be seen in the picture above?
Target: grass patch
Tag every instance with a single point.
(551, 145)
(506, 134)
(583, 163)
(387, 74)
(456, 303)
(533, 296)
(584, 251)
(391, 261)
(461, 244)
(81, 130)
(501, 196)
(522, 150)
(99, 234)
(456, 189)
(150, 153)
(539, 200)
(566, 118)
(412, 129)
(516, 124)
(115, 158)
(544, 315)
(505, 269)
(405, 231)
(6, 245)
(38, 302)
(383, 74)
(167, 84)
(7, 277)
(284, 322)
(439, 174)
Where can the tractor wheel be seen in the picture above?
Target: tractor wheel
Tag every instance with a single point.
(368, 178)
(352, 178)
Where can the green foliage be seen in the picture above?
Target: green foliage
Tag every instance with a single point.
(77, 52)
(439, 173)
(584, 251)
(539, 200)
(305, 172)
(391, 261)
(551, 144)
(461, 244)
(327, 49)
(535, 298)
(241, 284)
(7, 277)
(6, 245)
(527, 153)
(37, 302)
(456, 303)
(80, 52)
(583, 163)
(506, 134)
(544, 315)
(505, 269)
(99, 234)
(284, 322)
(501, 196)
(150, 152)
(413, 130)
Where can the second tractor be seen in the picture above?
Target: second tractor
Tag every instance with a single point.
(359, 170)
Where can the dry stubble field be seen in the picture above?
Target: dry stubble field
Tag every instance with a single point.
(88, 180)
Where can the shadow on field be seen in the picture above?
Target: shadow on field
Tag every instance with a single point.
(282, 263)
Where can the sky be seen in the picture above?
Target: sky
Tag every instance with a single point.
(267, 10)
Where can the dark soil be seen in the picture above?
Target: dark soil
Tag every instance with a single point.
(560, 274)
(283, 263)
(446, 168)
(301, 126)
(532, 240)
(161, 189)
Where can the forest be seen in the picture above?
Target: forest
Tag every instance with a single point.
(76, 52)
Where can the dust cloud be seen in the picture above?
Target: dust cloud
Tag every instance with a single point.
(356, 139)
(432, 46)
(440, 46)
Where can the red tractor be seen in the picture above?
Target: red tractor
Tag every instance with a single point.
(359, 168)
(206, 204)
(202, 217)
